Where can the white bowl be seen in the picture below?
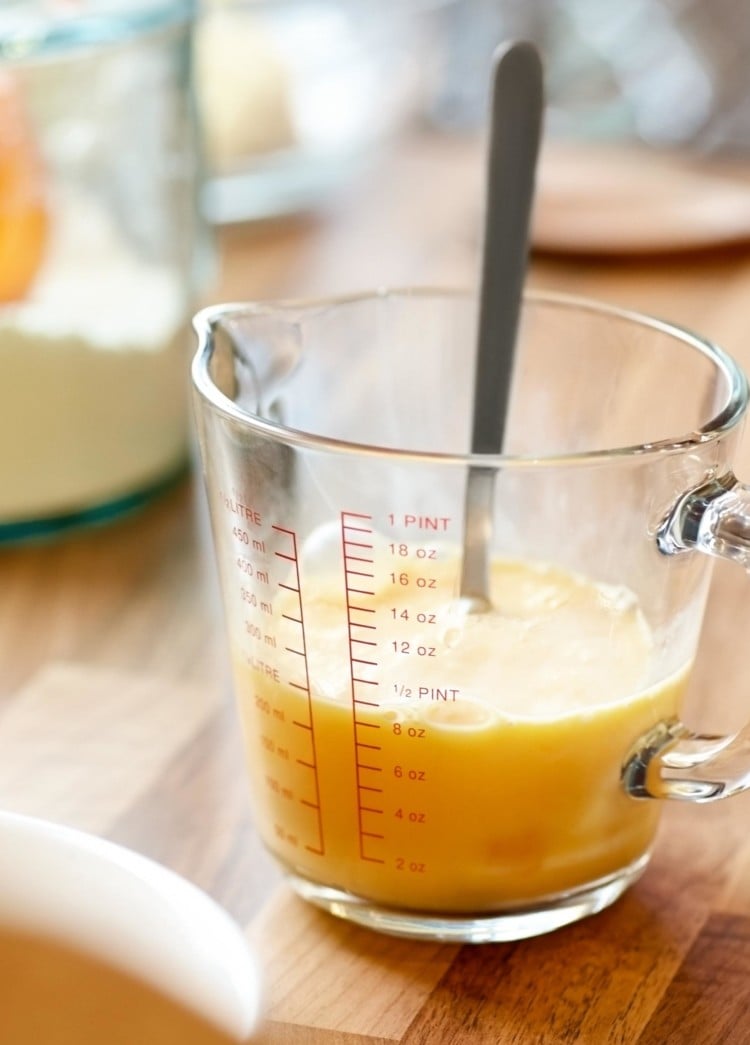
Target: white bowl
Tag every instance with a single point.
(128, 911)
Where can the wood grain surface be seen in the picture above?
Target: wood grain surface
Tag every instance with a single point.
(116, 714)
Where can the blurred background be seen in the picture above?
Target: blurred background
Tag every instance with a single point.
(133, 131)
(663, 72)
(293, 93)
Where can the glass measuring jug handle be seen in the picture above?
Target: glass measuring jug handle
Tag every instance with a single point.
(671, 761)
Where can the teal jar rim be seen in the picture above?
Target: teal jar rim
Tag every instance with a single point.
(41, 29)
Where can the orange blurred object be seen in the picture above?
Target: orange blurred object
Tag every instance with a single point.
(54, 994)
(23, 214)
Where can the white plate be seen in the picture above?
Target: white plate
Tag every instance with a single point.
(619, 200)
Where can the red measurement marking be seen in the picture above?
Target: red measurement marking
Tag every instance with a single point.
(356, 528)
(298, 618)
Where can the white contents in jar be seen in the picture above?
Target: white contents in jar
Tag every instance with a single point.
(93, 385)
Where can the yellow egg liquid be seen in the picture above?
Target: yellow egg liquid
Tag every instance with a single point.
(474, 762)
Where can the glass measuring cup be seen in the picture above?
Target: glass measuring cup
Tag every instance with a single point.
(417, 768)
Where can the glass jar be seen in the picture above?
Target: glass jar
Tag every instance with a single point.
(98, 235)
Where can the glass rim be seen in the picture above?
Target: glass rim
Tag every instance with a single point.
(31, 32)
(207, 319)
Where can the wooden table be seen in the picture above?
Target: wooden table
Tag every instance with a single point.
(116, 715)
